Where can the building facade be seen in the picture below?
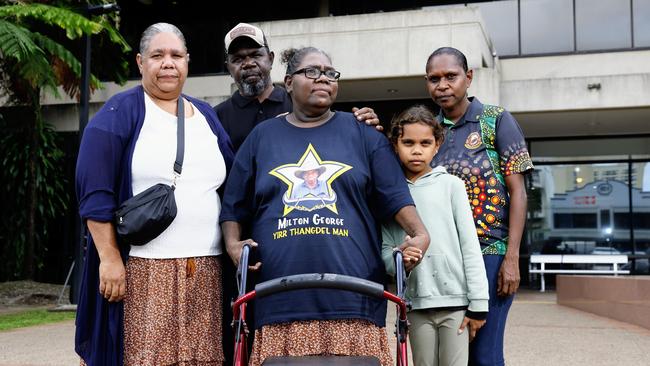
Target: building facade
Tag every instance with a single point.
(575, 74)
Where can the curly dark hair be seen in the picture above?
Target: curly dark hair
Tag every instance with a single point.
(415, 114)
(294, 56)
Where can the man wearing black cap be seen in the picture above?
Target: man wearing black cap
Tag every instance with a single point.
(249, 62)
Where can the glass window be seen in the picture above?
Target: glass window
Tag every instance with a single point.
(622, 220)
(584, 208)
(501, 21)
(642, 172)
(570, 211)
(591, 149)
(605, 219)
(572, 188)
(641, 207)
(575, 221)
(536, 34)
(603, 24)
(641, 220)
(641, 13)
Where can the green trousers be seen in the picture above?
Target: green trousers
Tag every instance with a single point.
(435, 340)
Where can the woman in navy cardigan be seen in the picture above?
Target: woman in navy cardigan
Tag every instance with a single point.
(159, 303)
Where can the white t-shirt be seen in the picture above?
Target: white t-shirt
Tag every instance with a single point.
(195, 231)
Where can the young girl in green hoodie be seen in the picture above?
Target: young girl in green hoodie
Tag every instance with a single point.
(448, 287)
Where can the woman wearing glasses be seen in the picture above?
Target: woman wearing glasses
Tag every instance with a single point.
(331, 233)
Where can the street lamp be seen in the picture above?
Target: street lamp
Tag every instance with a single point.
(83, 121)
(85, 64)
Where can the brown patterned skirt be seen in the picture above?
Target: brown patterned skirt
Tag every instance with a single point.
(346, 337)
(172, 312)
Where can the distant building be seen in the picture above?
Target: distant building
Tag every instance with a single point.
(598, 214)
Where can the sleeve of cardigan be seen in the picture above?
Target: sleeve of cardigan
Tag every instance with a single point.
(98, 172)
(477, 284)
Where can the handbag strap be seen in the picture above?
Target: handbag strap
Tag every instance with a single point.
(180, 139)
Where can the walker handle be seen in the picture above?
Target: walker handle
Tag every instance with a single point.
(400, 273)
(319, 280)
(242, 269)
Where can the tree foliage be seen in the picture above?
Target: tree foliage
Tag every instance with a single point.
(43, 60)
(39, 48)
(16, 148)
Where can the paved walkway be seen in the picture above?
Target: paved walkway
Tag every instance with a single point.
(542, 333)
(539, 333)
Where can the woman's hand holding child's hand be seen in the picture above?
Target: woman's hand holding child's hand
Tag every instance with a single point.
(411, 255)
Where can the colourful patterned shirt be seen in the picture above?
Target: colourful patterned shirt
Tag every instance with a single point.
(482, 148)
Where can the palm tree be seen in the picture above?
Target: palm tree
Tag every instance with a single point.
(35, 56)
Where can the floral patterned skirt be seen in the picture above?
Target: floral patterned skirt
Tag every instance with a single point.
(347, 337)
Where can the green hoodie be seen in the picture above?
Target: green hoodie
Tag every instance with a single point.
(452, 272)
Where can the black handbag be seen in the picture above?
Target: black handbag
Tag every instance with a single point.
(146, 215)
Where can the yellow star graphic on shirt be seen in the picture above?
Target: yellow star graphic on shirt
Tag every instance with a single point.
(297, 195)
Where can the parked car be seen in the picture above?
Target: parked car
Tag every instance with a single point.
(642, 264)
(605, 250)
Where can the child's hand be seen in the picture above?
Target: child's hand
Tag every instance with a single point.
(473, 324)
(411, 255)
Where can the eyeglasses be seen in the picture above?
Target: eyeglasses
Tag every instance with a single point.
(314, 73)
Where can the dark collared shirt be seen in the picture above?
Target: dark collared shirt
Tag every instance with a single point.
(239, 114)
(464, 154)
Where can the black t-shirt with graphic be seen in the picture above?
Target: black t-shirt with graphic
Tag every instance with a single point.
(331, 229)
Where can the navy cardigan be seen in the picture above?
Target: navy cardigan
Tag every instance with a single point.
(103, 182)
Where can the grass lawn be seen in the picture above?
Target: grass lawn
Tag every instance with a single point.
(33, 317)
